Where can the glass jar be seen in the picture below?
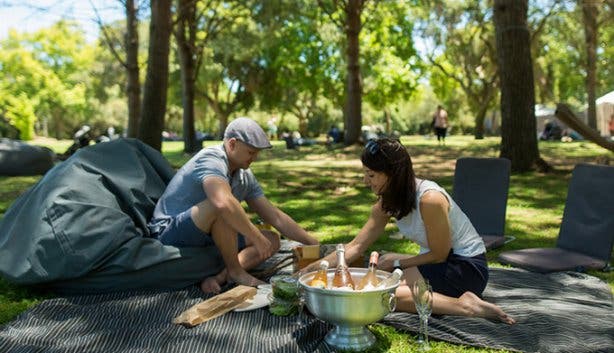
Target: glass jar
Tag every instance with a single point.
(285, 292)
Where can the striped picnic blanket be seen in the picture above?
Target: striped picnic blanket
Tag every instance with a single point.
(563, 312)
(559, 312)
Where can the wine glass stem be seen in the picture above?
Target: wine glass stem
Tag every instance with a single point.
(299, 316)
(421, 331)
(425, 329)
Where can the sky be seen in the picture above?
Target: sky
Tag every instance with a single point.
(32, 15)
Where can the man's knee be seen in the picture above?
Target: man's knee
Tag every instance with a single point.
(204, 215)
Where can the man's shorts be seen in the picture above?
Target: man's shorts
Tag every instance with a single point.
(181, 232)
(457, 275)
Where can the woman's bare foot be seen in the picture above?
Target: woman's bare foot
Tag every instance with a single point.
(480, 308)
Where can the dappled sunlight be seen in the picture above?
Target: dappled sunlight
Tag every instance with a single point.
(13, 187)
(324, 191)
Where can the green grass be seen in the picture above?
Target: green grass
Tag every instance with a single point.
(323, 190)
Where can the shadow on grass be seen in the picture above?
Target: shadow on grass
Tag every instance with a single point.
(16, 299)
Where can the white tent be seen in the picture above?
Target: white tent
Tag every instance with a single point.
(605, 110)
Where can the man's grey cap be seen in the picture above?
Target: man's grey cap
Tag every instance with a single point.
(248, 131)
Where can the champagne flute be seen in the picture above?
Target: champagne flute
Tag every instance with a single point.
(423, 299)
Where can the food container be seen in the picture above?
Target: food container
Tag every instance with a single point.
(285, 295)
(349, 311)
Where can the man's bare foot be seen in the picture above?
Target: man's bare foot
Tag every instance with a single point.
(211, 285)
(480, 308)
(244, 278)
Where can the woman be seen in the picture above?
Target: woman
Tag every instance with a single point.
(452, 254)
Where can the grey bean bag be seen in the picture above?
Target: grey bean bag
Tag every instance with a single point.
(20, 158)
(82, 227)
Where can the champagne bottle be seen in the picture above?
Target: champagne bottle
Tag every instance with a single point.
(342, 278)
(394, 277)
(370, 279)
(320, 279)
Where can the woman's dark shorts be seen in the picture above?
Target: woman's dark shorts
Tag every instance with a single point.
(457, 275)
(441, 132)
(181, 231)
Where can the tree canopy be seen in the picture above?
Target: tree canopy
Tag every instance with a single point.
(302, 63)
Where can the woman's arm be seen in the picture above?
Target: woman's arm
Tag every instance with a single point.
(434, 208)
(281, 221)
(367, 235)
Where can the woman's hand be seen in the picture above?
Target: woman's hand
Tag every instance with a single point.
(386, 261)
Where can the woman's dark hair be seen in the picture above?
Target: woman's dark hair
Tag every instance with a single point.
(390, 157)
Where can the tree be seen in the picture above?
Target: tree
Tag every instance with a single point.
(234, 70)
(299, 60)
(130, 63)
(590, 12)
(197, 23)
(156, 80)
(189, 58)
(351, 25)
(518, 137)
(389, 72)
(51, 71)
(464, 51)
(560, 51)
(133, 84)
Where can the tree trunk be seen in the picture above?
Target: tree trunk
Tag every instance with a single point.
(388, 121)
(222, 122)
(133, 85)
(221, 114)
(480, 107)
(156, 80)
(590, 11)
(187, 62)
(479, 123)
(518, 132)
(353, 106)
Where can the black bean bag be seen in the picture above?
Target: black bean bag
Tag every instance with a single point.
(20, 158)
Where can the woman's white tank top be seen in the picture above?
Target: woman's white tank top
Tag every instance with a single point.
(465, 239)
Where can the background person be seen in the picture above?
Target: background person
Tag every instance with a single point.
(201, 206)
(272, 128)
(452, 254)
(440, 124)
(333, 135)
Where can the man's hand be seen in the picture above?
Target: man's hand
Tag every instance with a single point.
(263, 247)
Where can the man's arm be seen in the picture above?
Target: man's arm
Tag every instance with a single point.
(230, 210)
(280, 221)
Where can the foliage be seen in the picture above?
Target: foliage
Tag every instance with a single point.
(388, 58)
(462, 54)
(287, 58)
(560, 55)
(20, 114)
(49, 71)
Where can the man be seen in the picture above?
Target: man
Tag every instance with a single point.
(201, 206)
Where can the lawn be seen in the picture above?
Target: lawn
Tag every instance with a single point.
(322, 189)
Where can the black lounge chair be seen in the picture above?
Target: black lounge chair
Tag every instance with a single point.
(481, 187)
(586, 235)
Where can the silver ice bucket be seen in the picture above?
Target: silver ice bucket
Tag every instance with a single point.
(349, 311)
